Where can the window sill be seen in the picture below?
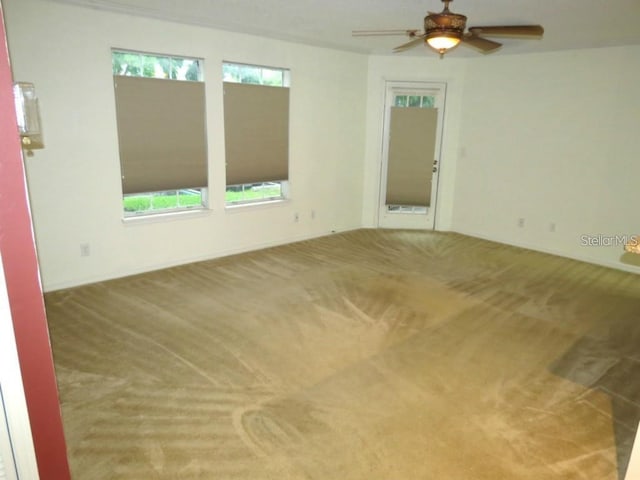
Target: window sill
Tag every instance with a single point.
(165, 217)
(407, 210)
(238, 207)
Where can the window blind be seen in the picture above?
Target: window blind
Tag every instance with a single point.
(161, 134)
(256, 133)
(412, 143)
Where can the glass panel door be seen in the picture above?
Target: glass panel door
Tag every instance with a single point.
(411, 154)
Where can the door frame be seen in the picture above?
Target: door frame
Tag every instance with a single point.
(426, 221)
(27, 309)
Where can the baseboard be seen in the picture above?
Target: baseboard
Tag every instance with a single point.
(52, 287)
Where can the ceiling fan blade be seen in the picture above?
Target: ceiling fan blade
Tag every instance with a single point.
(510, 30)
(482, 44)
(405, 46)
(374, 33)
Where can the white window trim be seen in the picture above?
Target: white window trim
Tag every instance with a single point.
(243, 207)
(164, 216)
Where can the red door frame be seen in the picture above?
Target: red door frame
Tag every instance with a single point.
(25, 292)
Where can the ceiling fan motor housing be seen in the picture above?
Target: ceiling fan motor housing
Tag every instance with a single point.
(444, 24)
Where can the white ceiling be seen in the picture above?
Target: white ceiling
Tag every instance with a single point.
(568, 24)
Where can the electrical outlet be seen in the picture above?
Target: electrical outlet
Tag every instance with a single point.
(85, 250)
(296, 217)
(521, 222)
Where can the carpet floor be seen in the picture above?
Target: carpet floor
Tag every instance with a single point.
(366, 355)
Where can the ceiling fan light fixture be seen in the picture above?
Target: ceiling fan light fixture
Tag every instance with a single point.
(441, 42)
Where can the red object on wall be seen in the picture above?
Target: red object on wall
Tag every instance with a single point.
(25, 292)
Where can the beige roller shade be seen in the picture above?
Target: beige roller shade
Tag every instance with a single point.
(412, 140)
(161, 133)
(256, 133)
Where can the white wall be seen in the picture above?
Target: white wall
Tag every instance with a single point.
(75, 181)
(404, 68)
(552, 138)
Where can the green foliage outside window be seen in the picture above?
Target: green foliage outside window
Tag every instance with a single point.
(415, 101)
(253, 192)
(159, 201)
(239, 73)
(135, 64)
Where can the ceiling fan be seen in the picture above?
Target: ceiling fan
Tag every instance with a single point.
(445, 30)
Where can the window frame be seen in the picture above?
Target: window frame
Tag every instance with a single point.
(285, 82)
(170, 73)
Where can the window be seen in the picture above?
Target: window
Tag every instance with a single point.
(256, 123)
(419, 101)
(160, 111)
(409, 175)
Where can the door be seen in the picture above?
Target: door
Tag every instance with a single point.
(17, 457)
(7, 464)
(412, 134)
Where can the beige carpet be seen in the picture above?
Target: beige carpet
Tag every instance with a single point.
(368, 355)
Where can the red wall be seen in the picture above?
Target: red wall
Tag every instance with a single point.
(25, 292)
